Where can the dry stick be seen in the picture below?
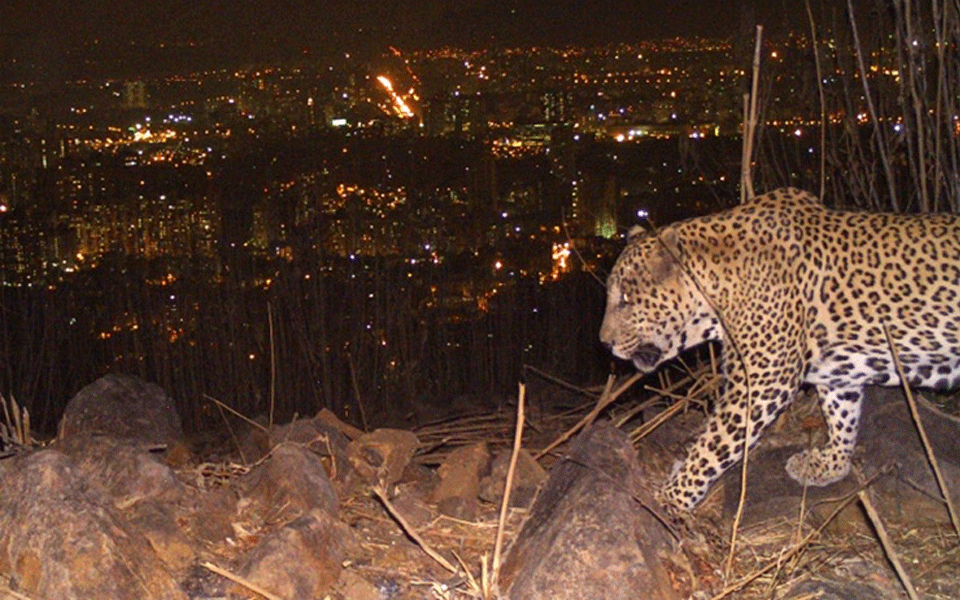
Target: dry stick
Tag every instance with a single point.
(235, 412)
(605, 399)
(382, 495)
(679, 405)
(240, 580)
(713, 369)
(508, 486)
(473, 588)
(356, 392)
(823, 102)
(748, 411)
(273, 364)
(750, 125)
(923, 435)
(25, 417)
(631, 413)
(556, 380)
(21, 433)
(701, 384)
(939, 21)
(485, 584)
(661, 417)
(745, 151)
(887, 545)
(18, 432)
(918, 110)
(233, 436)
(873, 111)
(753, 107)
(6, 412)
(803, 511)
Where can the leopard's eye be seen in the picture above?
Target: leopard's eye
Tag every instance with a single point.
(624, 299)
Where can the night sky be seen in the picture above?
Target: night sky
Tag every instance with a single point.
(58, 35)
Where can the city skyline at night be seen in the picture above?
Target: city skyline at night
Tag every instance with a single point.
(48, 41)
(426, 195)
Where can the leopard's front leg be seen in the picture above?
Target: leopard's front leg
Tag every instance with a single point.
(721, 445)
(831, 463)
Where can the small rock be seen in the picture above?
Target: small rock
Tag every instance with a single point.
(527, 479)
(353, 587)
(381, 456)
(123, 406)
(179, 455)
(460, 474)
(293, 478)
(301, 560)
(419, 479)
(827, 589)
(320, 438)
(414, 510)
(327, 417)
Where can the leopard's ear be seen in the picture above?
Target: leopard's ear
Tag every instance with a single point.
(635, 232)
(670, 241)
(666, 256)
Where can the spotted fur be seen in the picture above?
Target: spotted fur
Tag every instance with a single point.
(796, 293)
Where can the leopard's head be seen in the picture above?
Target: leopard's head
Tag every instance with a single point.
(651, 302)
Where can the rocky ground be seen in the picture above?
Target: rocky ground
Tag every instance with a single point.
(123, 505)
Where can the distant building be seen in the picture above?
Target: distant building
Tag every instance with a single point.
(135, 95)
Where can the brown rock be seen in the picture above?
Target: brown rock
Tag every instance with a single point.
(415, 511)
(354, 587)
(302, 559)
(62, 538)
(327, 417)
(460, 474)
(122, 467)
(318, 437)
(212, 519)
(527, 479)
(158, 525)
(888, 438)
(123, 406)
(822, 588)
(293, 478)
(381, 456)
(587, 536)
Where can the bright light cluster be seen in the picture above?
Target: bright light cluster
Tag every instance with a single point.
(400, 105)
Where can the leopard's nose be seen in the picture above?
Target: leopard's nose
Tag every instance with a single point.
(606, 334)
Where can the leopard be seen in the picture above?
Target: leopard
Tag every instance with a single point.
(798, 296)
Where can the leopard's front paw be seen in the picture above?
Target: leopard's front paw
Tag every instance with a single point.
(675, 496)
(818, 466)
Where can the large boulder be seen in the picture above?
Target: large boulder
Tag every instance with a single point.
(588, 534)
(123, 406)
(62, 538)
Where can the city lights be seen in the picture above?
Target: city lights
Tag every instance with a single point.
(401, 108)
(512, 140)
